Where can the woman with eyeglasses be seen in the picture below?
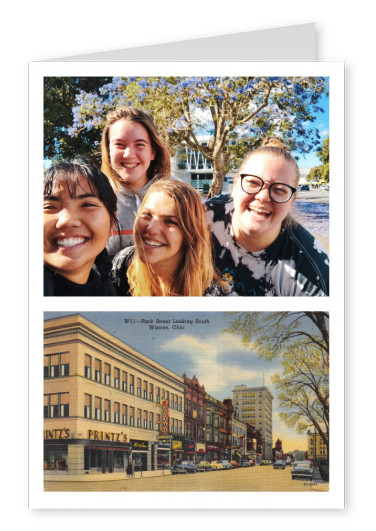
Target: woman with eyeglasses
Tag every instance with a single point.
(259, 248)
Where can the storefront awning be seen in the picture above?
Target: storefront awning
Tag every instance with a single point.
(109, 448)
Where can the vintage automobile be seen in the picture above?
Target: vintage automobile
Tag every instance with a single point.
(303, 469)
(226, 464)
(252, 462)
(183, 467)
(204, 466)
(280, 463)
(217, 465)
(244, 462)
(234, 464)
(265, 462)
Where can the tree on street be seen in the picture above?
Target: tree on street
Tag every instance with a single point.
(235, 112)
(301, 341)
(321, 172)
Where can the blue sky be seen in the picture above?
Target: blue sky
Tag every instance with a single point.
(311, 160)
(218, 359)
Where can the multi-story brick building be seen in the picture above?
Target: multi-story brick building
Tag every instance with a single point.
(105, 404)
(218, 428)
(194, 419)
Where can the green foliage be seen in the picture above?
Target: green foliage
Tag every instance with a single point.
(319, 173)
(59, 99)
(315, 174)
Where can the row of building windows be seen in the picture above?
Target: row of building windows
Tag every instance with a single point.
(57, 405)
(57, 365)
(192, 409)
(129, 383)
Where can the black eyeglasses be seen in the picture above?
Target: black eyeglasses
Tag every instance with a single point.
(279, 192)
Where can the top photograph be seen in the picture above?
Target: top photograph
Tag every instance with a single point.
(186, 186)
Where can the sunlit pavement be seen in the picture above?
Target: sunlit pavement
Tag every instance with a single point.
(253, 479)
(311, 209)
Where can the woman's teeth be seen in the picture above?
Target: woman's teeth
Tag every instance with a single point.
(69, 242)
(153, 244)
(260, 211)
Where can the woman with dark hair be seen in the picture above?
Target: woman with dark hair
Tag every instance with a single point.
(79, 212)
(172, 255)
(259, 248)
(134, 156)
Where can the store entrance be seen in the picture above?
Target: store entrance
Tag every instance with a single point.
(106, 460)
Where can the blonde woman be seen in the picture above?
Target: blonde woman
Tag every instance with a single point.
(134, 156)
(259, 248)
(172, 255)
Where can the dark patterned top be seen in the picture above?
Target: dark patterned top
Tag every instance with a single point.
(122, 261)
(295, 264)
(56, 285)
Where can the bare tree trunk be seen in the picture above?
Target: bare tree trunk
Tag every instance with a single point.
(220, 168)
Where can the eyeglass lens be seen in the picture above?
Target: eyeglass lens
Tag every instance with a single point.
(279, 192)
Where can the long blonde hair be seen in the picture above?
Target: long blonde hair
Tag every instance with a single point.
(196, 272)
(160, 167)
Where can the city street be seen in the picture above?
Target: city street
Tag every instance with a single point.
(311, 209)
(314, 195)
(253, 479)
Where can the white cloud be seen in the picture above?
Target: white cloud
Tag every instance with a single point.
(206, 357)
(210, 346)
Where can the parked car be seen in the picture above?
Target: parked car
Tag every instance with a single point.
(204, 466)
(234, 464)
(252, 462)
(226, 464)
(280, 463)
(265, 462)
(325, 187)
(304, 187)
(184, 467)
(217, 465)
(302, 469)
(244, 462)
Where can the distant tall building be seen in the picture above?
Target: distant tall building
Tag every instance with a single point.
(254, 405)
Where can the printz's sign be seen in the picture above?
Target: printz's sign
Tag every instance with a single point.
(177, 445)
(107, 436)
(63, 433)
(164, 418)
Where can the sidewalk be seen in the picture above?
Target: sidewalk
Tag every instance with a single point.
(318, 483)
(98, 476)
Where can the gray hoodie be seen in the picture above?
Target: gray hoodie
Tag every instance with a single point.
(128, 204)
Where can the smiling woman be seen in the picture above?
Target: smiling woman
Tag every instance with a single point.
(172, 253)
(79, 211)
(134, 157)
(259, 248)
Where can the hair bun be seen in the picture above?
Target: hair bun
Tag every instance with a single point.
(273, 141)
